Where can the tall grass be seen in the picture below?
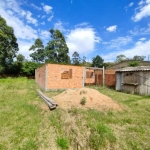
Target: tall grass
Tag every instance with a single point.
(20, 117)
(27, 123)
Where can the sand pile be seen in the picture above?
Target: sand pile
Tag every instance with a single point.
(94, 99)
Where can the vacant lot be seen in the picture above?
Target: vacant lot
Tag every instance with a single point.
(27, 123)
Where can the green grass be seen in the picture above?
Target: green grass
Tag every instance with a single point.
(27, 123)
(62, 143)
(21, 119)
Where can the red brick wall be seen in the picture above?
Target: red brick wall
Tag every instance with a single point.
(56, 82)
(53, 80)
(40, 76)
(89, 79)
(110, 77)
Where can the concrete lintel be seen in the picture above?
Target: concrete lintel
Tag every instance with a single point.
(94, 68)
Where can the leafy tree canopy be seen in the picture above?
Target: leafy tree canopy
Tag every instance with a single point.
(139, 58)
(28, 68)
(120, 58)
(97, 61)
(8, 46)
(76, 58)
(20, 58)
(39, 53)
(56, 49)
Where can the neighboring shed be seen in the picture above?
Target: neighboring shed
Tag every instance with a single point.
(134, 80)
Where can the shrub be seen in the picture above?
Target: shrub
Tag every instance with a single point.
(133, 64)
(83, 101)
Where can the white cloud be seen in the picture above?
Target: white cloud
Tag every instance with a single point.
(50, 18)
(59, 26)
(141, 2)
(118, 43)
(47, 8)
(142, 39)
(24, 48)
(142, 11)
(18, 18)
(83, 24)
(11, 4)
(130, 5)
(140, 48)
(21, 30)
(36, 7)
(43, 16)
(30, 19)
(112, 28)
(44, 34)
(43, 23)
(23, 13)
(82, 40)
(140, 31)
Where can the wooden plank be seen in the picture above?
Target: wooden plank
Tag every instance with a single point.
(51, 103)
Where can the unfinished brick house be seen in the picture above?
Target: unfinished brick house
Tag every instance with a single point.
(56, 76)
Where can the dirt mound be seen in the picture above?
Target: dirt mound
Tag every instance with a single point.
(94, 99)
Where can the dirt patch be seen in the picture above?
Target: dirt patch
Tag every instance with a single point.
(93, 99)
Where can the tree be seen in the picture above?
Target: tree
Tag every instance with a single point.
(17, 65)
(139, 58)
(109, 64)
(28, 68)
(8, 46)
(97, 61)
(56, 49)
(39, 53)
(20, 58)
(83, 61)
(120, 58)
(76, 58)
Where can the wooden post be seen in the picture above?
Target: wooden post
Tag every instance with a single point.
(103, 76)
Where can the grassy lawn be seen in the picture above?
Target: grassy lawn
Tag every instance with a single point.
(26, 123)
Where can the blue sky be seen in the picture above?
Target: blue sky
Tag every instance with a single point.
(100, 27)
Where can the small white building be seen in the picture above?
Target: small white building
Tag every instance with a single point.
(134, 80)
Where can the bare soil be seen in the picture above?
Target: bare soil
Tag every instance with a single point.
(94, 100)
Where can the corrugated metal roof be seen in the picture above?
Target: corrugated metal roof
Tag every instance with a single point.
(139, 68)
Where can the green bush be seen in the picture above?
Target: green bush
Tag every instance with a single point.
(133, 64)
(83, 101)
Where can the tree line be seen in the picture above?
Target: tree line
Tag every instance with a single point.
(56, 51)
